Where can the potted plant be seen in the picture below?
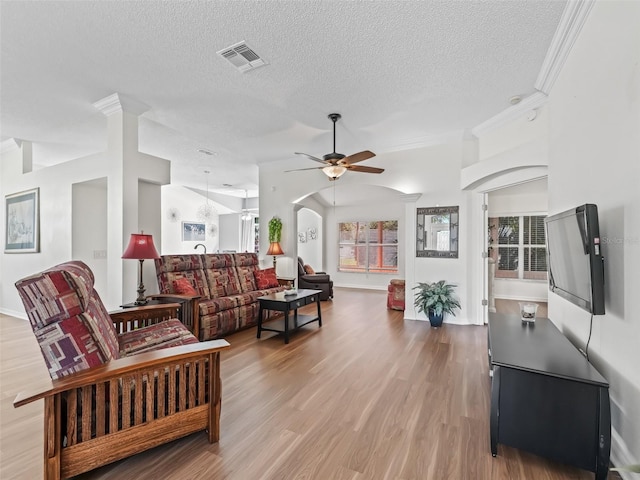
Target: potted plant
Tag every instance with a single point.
(275, 230)
(435, 299)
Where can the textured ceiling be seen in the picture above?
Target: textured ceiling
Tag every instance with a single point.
(400, 73)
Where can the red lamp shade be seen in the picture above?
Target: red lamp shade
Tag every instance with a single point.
(140, 247)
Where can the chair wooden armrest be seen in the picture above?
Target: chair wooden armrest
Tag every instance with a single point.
(129, 405)
(120, 367)
(189, 311)
(129, 319)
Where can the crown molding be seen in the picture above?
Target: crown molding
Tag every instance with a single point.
(533, 101)
(119, 103)
(410, 197)
(573, 18)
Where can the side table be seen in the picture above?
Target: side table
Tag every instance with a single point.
(287, 281)
(184, 313)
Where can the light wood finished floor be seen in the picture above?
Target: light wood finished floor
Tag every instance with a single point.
(367, 396)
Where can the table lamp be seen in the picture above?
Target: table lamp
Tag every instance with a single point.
(275, 249)
(140, 248)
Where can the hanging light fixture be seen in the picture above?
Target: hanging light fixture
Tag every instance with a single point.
(334, 171)
(206, 212)
(245, 211)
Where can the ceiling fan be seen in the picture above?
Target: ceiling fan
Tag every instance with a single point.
(336, 164)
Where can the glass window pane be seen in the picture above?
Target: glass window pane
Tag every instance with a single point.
(508, 258)
(535, 259)
(508, 230)
(353, 258)
(390, 231)
(347, 232)
(534, 230)
(383, 259)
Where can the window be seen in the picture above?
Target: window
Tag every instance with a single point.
(518, 245)
(370, 247)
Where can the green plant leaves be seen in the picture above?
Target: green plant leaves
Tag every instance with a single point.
(438, 297)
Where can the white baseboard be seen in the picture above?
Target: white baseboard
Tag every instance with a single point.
(363, 287)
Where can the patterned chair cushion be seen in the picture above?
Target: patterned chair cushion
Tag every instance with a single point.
(162, 335)
(74, 330)
(72, 327)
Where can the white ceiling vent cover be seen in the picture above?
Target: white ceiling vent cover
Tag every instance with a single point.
(242, 57)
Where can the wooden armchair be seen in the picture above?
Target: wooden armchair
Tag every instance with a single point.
(121, 383)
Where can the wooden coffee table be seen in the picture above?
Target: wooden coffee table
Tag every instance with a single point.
(286, 303)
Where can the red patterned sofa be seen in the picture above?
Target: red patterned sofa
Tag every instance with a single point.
(224, 289)
(122, 382)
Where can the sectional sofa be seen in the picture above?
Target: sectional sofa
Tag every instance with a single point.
(222, 289)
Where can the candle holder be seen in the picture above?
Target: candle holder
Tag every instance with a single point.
(528, 311)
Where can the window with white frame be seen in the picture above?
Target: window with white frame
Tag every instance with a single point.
(370, 247)
(518, 245)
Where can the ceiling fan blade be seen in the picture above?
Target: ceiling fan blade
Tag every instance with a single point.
(301, 169)
(310, 157)
(363, 169)
(358, 157)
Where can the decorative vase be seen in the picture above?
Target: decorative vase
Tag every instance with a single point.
(435, 320)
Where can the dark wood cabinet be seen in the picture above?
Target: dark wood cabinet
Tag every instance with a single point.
(546, 398)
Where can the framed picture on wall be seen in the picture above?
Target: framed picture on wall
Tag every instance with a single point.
(302, 237)
(312, 234)
(193, 231)
(22, 217)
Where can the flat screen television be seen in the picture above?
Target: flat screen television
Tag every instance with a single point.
(574, 257)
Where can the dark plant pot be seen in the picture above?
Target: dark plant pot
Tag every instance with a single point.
(435, 320)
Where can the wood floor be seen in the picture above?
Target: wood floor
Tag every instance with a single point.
(367, 396)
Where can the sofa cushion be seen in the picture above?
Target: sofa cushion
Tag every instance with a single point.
(183, 286)
(308, 270)
(265, 278)
(161, 335)
(246, 278)
(173, 267)
(215, 305)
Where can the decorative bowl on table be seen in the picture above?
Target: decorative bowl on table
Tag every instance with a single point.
(291, 291)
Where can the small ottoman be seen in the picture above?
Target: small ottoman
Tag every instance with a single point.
(395, 294)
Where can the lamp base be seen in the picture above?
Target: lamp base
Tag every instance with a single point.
(141, 300)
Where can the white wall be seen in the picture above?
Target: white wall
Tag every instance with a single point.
(594, 149)
(181, 204)
(230, 232)
(89, 228)
(311, 250)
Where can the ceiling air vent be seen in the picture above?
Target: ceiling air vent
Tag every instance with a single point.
(242, 57)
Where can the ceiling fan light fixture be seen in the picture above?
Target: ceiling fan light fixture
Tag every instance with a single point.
(334, 171)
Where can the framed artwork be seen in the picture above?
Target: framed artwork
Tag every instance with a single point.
(193, 231)
(302, 237)
(22, 217)
(312, 234)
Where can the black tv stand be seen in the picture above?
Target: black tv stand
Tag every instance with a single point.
(546, 398)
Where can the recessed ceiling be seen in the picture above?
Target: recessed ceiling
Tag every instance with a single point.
(399, 72)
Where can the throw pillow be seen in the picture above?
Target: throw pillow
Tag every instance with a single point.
(183, 286)
(266, 278)
(308, 270)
